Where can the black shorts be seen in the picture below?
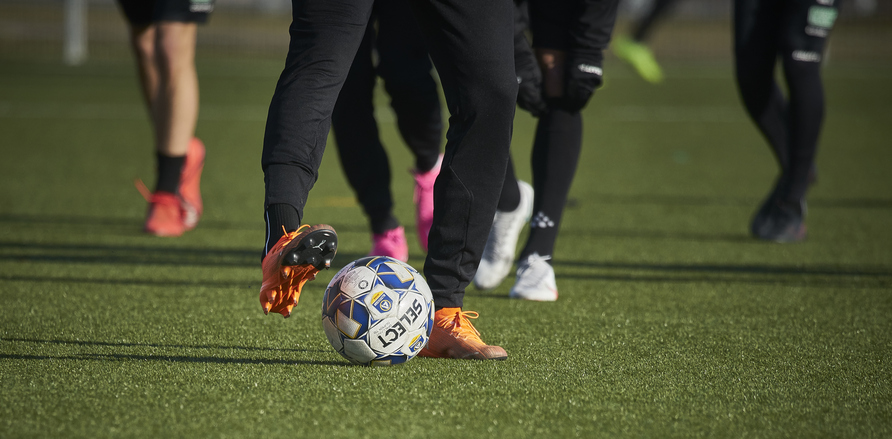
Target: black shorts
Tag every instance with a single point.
(799, 27)
(152, 11)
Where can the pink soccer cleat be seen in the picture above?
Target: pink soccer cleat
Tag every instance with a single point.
(424, 201)
(391, 243)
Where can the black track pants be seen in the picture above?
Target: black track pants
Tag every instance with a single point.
(472, 45)
(405, 67)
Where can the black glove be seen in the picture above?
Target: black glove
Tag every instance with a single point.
(529, 92)
(583, 75)
(529, 77)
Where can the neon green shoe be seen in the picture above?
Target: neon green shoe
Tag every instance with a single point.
(640, 57)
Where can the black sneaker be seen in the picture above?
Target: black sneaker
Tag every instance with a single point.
(765, 220)
(780, 221)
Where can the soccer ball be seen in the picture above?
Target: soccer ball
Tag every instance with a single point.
(378, 311)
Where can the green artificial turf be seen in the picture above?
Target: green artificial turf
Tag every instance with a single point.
(671, 322)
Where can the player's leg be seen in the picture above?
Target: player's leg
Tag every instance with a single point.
(806, 25)
(362, 155)
(180, 153)
(176, 105)
(471, 44)
(325, 35)
(555, 156)
(756, 35)
(405, 67)
(644, 26)
(759, 28)
(163, 38)
(142, 41)
(516, 199)
(556, 148)
(634, 49)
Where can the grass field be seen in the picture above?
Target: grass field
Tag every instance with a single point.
(671, 322)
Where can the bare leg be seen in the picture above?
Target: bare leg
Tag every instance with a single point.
(142, 39)
(165, 59)
(175, 109)
(552, 64)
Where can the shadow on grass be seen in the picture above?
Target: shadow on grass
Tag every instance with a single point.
(576, 232)
(851, 282)
(134, 282)
(168, 358)
(694, 200)
(136, 254)
(149, 345)
(815, 276)
(819, 270)
(136, 224)
(171, 358)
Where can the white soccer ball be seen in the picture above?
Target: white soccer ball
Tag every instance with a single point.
(378, 311)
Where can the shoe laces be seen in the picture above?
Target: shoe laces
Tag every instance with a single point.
(290, 236)
(531, 264)
(534, 258)
(143, 190)
(164, 199)
(461, 325)
(156, 197)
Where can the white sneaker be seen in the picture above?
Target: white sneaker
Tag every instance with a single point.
(498, 255)
(535, 280)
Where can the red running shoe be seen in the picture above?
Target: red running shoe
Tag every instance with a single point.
(190, 179)
(165, 217)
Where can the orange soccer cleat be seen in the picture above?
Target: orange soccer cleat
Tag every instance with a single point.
(294, 260)
(454, 336)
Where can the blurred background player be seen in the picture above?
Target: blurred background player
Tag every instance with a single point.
(162, 34)
(405, 67)
(634, 50)
(569, 39)
(795, 31)
(470, 43)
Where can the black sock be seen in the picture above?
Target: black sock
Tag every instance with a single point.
(280, 218)
(510, 197)
(424, 163)
(806, 116)
(556, 149)
(383, 223)
(169, 170)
